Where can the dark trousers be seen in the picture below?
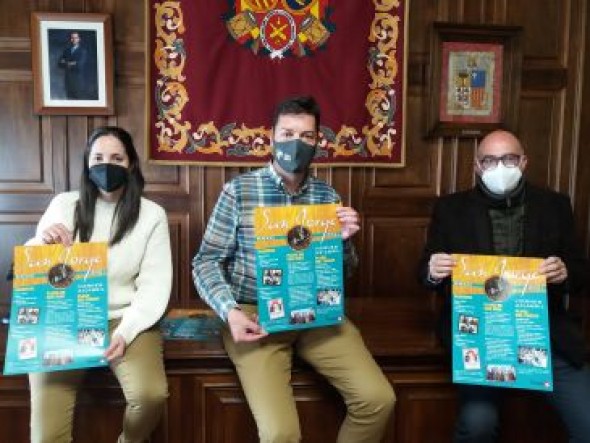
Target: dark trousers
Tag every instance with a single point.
(479, 405)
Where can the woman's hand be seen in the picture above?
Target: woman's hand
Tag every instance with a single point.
(116, 349)
(57, 233)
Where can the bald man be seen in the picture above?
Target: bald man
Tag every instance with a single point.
(504, 215)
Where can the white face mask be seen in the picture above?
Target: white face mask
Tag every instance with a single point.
(501, 180)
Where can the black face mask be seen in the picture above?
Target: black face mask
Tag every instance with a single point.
(108, 176)
(294, 155)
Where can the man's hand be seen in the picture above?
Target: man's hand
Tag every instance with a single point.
(57, 233)
(243, 328)
(350, 221)
(116, 349)
(554, 270)
(440, 265)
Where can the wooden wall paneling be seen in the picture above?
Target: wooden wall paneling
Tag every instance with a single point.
(14, 20)
(195, 205)
(544, 27)
(54, 152)
(425, 408)
(25, 161)
(14, 409)
(353, 286)
(573, 98)
(466, 154)
(400, 329)
(341, 180)
(99, 408)
(473, 11)
(445, 10)
(395, 246)
(225, 415)
(15, 229)
(419, 173)
(177, 421)
(131, 98)
(129, 21)
(77, 130)
(448, 154)
(581, 199)
(15, 59)
(178, 225)
(540, 140)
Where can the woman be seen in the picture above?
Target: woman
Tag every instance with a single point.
(109, 207)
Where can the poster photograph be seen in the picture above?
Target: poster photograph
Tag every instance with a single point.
(500, 323)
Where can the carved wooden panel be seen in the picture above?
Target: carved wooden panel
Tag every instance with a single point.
(540, 141)
(396, 246)
(545, 26)
(227, 417)
(425, 409)
(14, 409)
(15, 229)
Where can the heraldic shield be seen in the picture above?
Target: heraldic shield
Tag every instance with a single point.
(279, 28)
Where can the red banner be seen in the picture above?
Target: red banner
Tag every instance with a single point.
(218, 68)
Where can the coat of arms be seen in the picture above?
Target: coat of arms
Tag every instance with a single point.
(280, 27)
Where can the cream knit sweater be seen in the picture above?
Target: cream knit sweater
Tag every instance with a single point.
(139, 266)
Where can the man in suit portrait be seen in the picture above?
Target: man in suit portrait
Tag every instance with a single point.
(505, 215)
(73, 61)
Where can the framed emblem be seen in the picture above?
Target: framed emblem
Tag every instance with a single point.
(474, 79)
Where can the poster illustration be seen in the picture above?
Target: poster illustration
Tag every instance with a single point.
(500, 323)
(299, 262)
(58, 317)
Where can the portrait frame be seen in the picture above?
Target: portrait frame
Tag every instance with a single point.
(72, 63)
(474, 79)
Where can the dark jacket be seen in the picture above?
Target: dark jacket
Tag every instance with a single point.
(461, 225)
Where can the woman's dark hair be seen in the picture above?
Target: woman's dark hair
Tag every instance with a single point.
(127, 210)
(298, 105)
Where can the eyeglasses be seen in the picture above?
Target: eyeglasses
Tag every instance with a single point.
(488, 162)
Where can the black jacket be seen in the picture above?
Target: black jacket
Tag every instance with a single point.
(461, 225)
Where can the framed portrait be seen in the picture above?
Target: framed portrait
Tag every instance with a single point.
(72, 63)
(474, 79)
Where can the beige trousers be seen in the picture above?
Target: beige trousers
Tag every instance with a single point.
(339, 354)
(141, 375)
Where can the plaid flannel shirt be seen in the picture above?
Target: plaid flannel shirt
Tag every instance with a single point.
(224, 269)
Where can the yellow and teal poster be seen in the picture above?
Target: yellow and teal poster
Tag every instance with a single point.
(59, 310)
(500, 323)
(299, 258)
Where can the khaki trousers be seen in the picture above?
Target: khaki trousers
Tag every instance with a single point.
(141, 375)
(339, 354)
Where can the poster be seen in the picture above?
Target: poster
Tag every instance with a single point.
(59, 312)
(500, 323)
(299, 258)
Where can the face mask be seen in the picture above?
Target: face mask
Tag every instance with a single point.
(294, 155)
(108, 176)
(501, 180)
